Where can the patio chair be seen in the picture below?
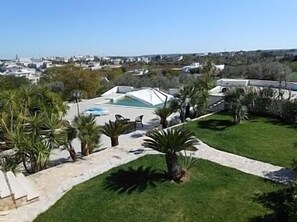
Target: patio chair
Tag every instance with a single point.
(138, 119)
(121, 118)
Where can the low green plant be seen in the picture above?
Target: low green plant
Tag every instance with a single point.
(187, 161)
(113, 130)
(9, 163)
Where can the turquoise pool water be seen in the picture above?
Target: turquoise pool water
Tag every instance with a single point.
(127, 101)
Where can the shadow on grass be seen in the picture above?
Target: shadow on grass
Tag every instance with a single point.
(285, 176)
(215, 124)
(274, 201)
(278, 122)
(134, 180)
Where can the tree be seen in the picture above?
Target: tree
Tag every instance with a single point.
(170, 142)
(201, 86)
(73, 78)
(163, 113)
(10, 82)
(88, 133)
(10, 105)
(33, 141)
(45, 101)
(289, 111)
(234, 99)
(264, 101)
(30, 123)
(199, 97)
(69, 135)
(181, 101)
(113, 130)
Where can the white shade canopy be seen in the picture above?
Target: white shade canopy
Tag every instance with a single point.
(150, 96)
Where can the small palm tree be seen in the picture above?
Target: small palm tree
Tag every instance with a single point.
(88, 132)
(9, 100)
(181, 102)
(235, 99)
(170, 142)
(68, 136)
(26, 98)
(163, 113)
(114, 130)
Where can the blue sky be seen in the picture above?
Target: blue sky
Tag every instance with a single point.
(137, 27)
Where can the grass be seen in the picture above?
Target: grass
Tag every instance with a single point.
(138, 191)
(259, 138)
(293, 77)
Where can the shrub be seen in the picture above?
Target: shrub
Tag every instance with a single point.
(289, 111)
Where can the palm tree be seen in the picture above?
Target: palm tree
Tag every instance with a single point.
(199, 101)
(37, 151)
(163, 113)
(234, 98)
(69, 136)
(45, 101)
(26, 98)
(9, 101)
(52, 129)
(88, 133)
(30, 122)
(181, 102)
(198, 98)
(114, 130)
(170, 142)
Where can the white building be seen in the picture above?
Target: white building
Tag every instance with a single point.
(10, 68)
(186, 69)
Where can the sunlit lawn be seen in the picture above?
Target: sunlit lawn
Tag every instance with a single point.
(259, 138)
(138, 191)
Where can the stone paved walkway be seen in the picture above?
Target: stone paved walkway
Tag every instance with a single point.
(254, 167)
(53, 183)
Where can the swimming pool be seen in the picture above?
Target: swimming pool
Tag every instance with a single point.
(127, 101)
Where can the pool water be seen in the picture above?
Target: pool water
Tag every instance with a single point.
(127, 101)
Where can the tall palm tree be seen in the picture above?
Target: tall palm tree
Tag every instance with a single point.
(88, 132)
(163, 113)
(170, 142)
(201, 86)
(114, 130)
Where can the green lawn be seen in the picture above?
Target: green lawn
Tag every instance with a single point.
(293, 77)
(138, 191)
(259, 138)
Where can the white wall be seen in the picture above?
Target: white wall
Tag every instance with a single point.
(275, 84)
(118, 89)
(255, 82)
(124, 89)
(232, 82)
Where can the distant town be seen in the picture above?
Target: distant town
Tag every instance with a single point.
(33, 68)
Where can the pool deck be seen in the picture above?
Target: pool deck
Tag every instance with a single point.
(150, 121)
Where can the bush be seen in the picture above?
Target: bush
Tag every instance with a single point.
(289, 111)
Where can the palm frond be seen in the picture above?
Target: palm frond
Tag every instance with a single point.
(171, 141)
